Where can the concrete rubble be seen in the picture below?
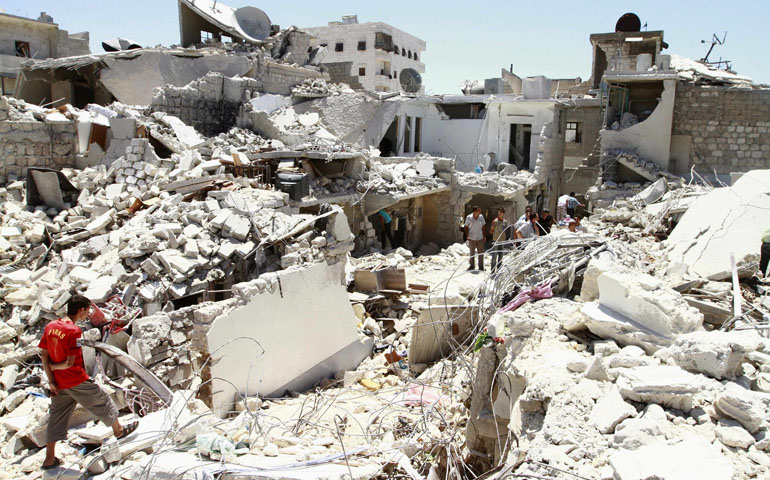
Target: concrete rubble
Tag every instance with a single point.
(223, 216)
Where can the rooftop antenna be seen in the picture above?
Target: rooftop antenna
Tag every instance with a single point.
(715, 40)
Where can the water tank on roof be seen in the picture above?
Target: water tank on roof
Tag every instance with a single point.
(643, 62)
(536, 87)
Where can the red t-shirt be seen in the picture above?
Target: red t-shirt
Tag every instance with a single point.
(62, 339)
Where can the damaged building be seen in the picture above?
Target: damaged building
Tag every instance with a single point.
(371, 55)
(24, 38)
(228, 206)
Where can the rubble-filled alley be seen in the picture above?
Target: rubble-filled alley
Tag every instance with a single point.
(277, 262)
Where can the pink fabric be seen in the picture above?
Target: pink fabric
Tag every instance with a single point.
(536, 293)
(418, 395)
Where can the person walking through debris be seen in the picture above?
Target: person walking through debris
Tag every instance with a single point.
(546, 222)
(475, 227)
(68, 381)
(500, 235)
(764, 258)
(561, 208)
(387, 222)
(572, 204)
(529, 229)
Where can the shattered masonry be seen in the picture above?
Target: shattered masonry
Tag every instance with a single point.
(219, 203)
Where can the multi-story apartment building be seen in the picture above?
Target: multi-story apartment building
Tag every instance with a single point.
(368, 55)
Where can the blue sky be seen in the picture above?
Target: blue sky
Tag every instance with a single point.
(466, 39)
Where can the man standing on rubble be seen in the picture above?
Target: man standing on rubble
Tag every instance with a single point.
(500, 234)
(475, 230)
(764, 258)
(68, 381)
(386, 222)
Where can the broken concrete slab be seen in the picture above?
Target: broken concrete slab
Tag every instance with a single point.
(322, 314)
(751, 409)
(691, 458)
(637, 309)
(717, 354)
(664, 385)
(709, 231)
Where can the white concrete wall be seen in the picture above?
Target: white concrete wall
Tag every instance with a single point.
(371, 58)
(651, 139)
(280, 336)
(457, 139)
(502, 115)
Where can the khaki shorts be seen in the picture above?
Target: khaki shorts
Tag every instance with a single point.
(90, 396)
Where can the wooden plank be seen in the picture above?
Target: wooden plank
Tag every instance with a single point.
(366, 281)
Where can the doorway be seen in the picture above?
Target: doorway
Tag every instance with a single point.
(520, 143)
(389, 143)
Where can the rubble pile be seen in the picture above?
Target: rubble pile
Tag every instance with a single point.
(407, 176)
(318, 87)
(252, 332)
(610, 385)
(494, 181)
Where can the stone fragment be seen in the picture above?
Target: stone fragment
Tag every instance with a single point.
(636, 432)
(101, 222)
(751, 409)
(83, 275)
(610, 410)
(732, 434)
(101, 288)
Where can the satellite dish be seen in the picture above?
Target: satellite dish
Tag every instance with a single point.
(628, 23)
(253, 22)
(411, 81)
(119, 44)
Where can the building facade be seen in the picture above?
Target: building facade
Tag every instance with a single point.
(24, 38)
(372, 54)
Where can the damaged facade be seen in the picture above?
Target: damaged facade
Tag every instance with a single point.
(25, 38)
(371, 54)
(220, 203)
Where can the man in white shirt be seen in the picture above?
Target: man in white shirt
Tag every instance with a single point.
(475, 231)
(529, 229)
(561, 207)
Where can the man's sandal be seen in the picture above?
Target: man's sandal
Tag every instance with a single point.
(56, 463)
(128, 430)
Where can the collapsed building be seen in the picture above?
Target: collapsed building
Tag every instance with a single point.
(222, 215)
(25, 38)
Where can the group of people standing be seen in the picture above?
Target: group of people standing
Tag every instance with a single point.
(529, 225)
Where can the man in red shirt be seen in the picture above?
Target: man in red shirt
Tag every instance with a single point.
(68, 381)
